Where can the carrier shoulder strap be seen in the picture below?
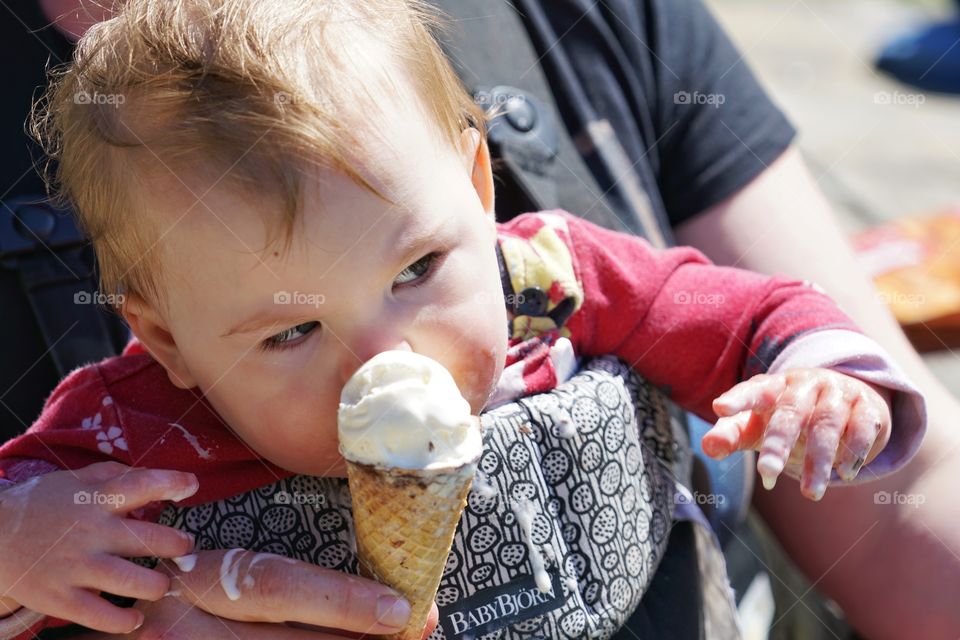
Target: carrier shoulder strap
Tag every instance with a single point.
(55, 267)
(491, 48)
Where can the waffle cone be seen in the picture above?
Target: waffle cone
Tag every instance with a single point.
(405, 521)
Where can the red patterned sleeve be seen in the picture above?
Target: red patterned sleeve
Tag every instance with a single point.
(690, 327)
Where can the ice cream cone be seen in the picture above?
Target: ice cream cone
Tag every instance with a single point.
(405, 521)
(411, 448)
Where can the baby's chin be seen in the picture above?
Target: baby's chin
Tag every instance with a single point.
(325, 465)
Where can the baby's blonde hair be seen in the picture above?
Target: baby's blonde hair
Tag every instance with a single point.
(251, 87)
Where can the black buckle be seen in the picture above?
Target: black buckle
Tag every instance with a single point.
(522, 127)
(31, 223)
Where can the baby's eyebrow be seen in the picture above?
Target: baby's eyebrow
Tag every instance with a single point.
(404, 249)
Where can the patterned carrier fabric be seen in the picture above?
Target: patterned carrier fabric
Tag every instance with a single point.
(592, 461)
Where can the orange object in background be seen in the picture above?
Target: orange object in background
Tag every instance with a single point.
(915, 264)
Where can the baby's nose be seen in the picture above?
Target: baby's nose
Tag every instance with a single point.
(354, 360)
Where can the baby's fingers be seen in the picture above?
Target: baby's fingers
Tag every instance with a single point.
(135, 539)
(124, 578)
(101, 471)
(733, 433)
(759, 393)
(139, 487)
(861, 434)
(823, 437)
(793, 409)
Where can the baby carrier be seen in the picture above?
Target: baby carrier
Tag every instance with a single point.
(551, 151)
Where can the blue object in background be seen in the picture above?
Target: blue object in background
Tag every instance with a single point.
(722, 487)
(928, 58)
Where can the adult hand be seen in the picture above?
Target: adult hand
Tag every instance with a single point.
(240, 594)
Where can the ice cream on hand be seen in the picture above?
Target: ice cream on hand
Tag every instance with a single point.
(411, 448)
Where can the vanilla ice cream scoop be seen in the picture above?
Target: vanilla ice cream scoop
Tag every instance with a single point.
(404, 410)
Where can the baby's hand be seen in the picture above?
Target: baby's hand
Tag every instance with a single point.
(63, 537)
(820, 417)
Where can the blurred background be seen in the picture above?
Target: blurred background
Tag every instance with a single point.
(881, 149)
(873, 86)
(886, 153)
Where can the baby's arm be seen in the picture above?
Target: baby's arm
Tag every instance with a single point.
(64, 537)
(697, 330)
(813, 419)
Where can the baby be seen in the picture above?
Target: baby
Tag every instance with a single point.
(277, 192)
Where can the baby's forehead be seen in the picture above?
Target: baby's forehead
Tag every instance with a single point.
(211, 211)
(203, 215)
(216, 240)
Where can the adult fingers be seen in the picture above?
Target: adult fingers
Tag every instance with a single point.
(823, 437)
(263, 587)
(139, 487)
(173, 619)
(792, 410)
(433, 618)
(92, 611)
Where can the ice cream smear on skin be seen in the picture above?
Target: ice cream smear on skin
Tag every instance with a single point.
(186, 563)
(404, 410)
(230, 580)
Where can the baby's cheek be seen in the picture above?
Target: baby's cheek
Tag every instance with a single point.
(478, 376)
(481, 355)
(281, 425)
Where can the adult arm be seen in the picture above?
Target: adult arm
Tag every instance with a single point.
(854, 546)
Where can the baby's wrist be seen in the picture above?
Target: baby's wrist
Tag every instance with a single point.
(884, 435)
(885, 392)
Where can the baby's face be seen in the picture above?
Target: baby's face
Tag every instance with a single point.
(271, 337)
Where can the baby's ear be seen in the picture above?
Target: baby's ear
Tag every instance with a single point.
(476, 157)
(149, 326)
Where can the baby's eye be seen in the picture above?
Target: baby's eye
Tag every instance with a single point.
(288, 337)
(418, 270)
